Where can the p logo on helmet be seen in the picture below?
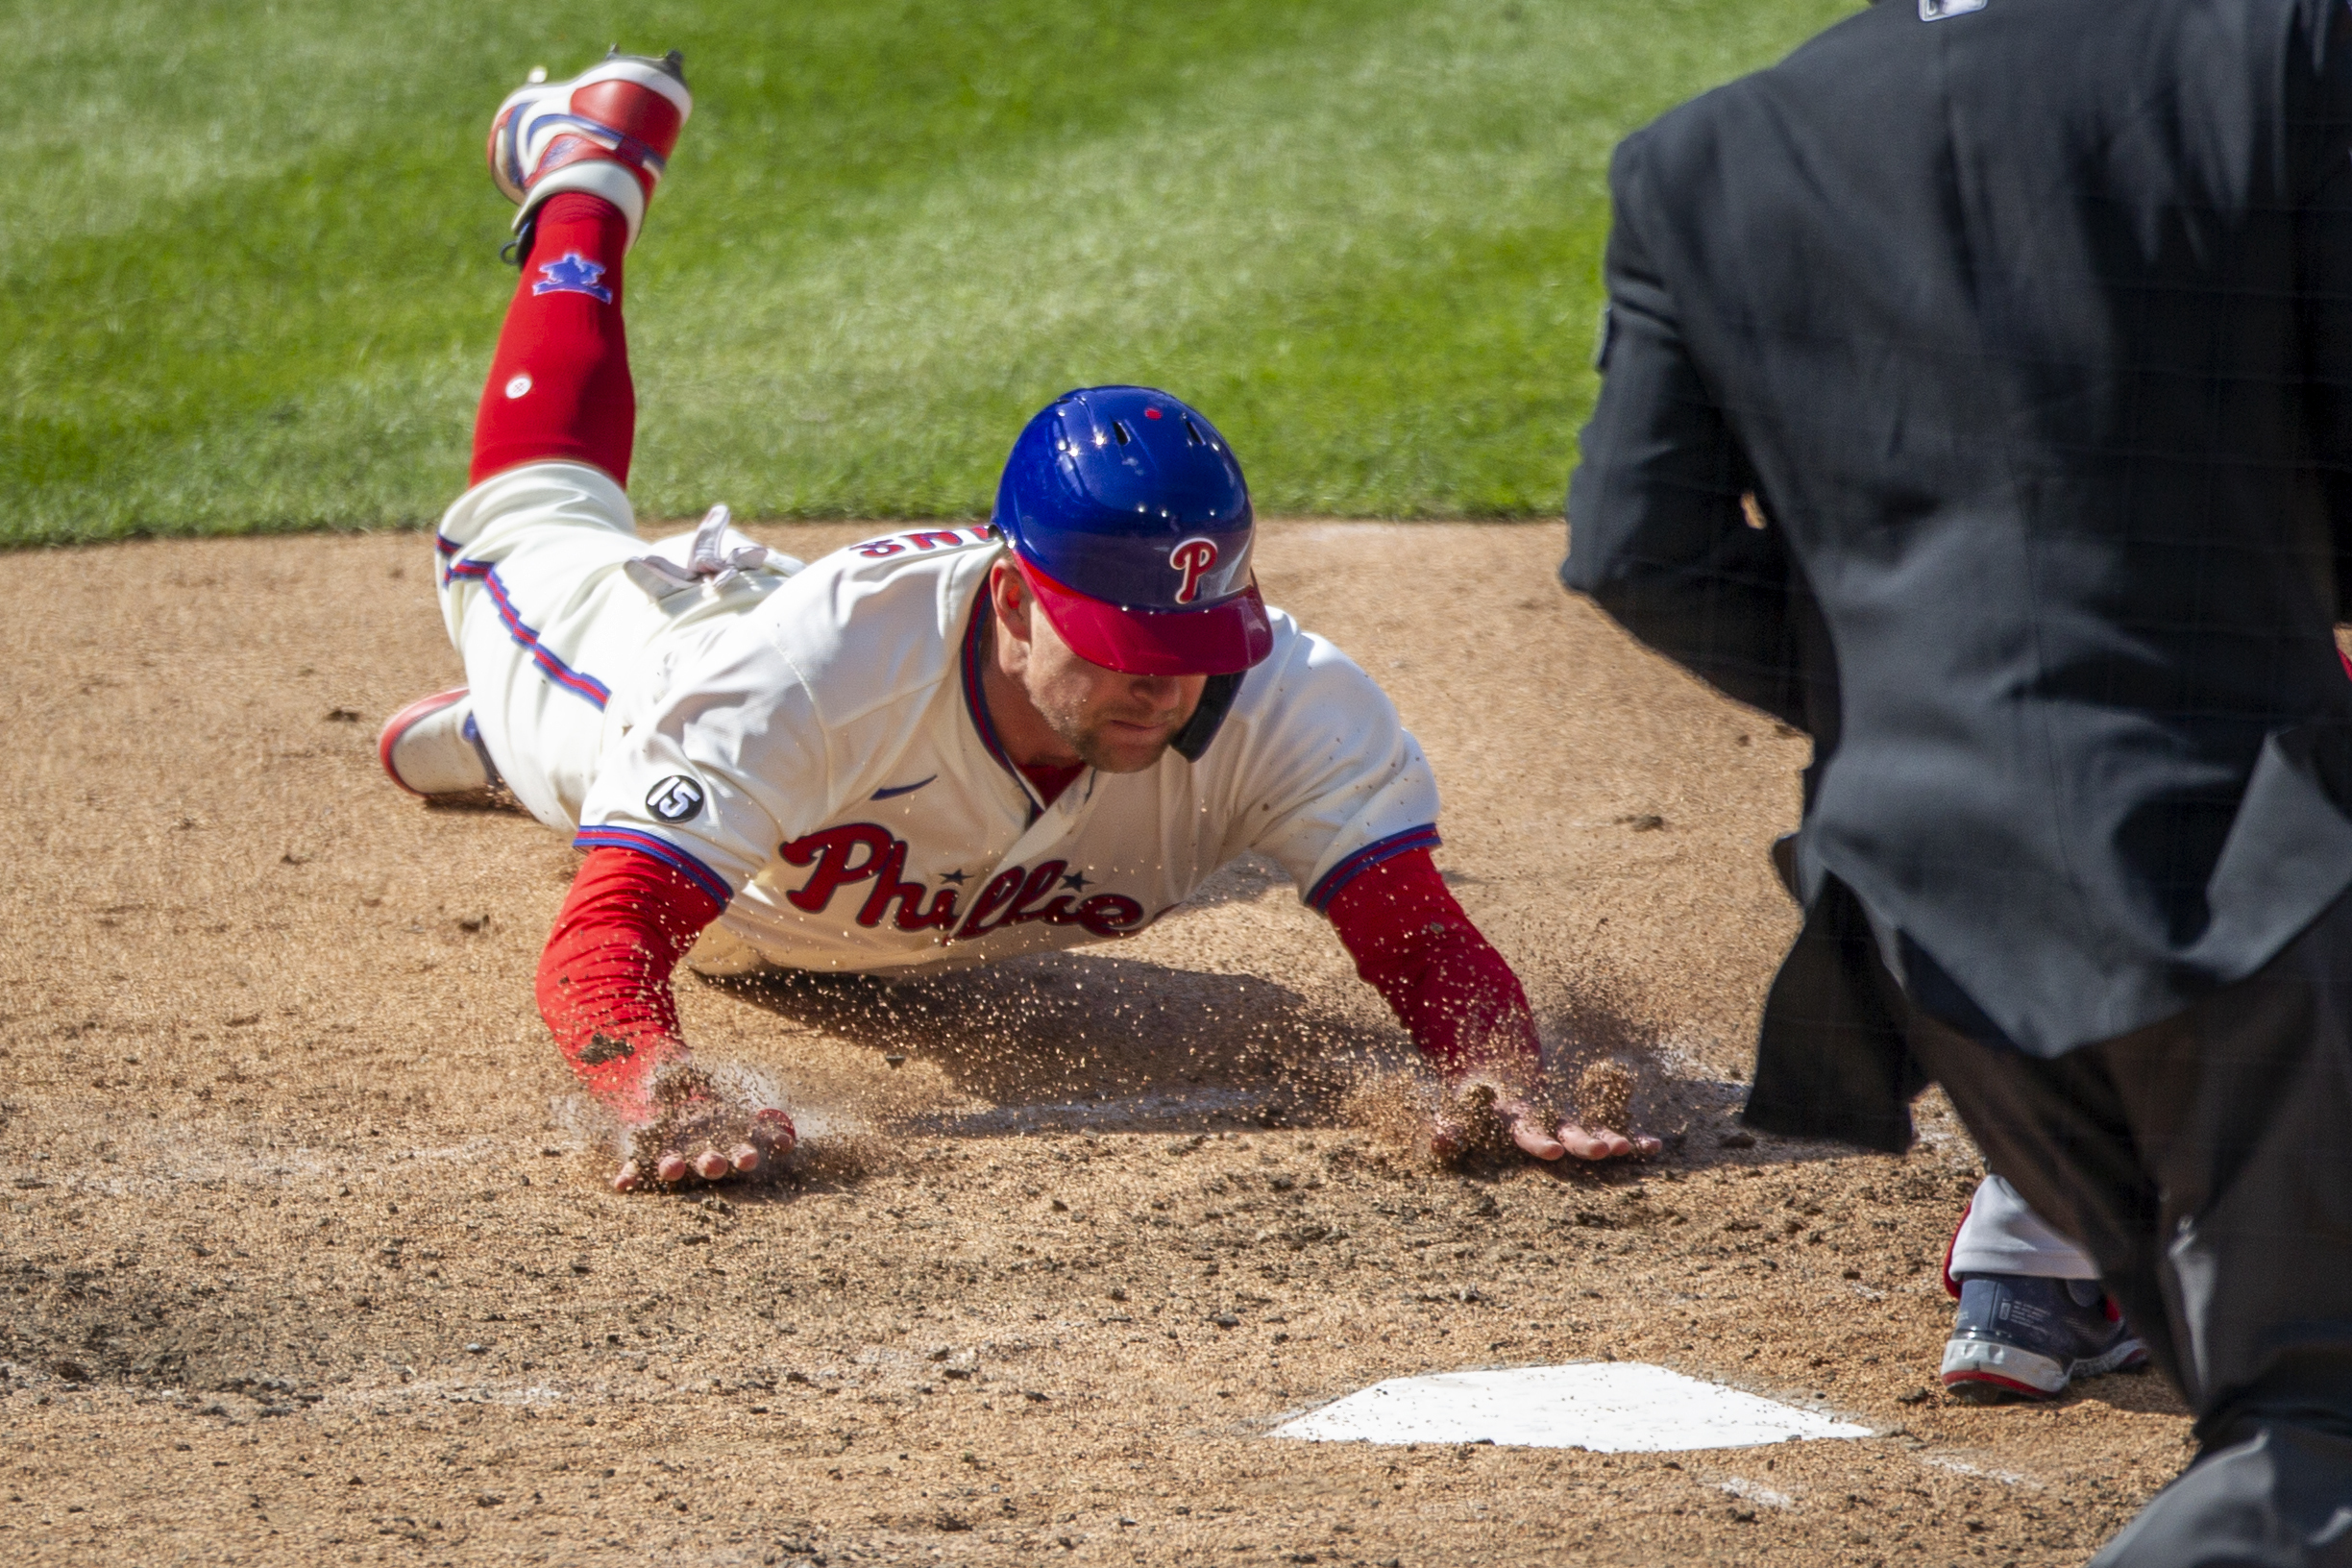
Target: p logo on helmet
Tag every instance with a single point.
(1192, 558)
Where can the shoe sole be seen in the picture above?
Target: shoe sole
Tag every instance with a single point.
(1987, 1389)
(1997, 1372)
(401, 723)
(1988, 1372)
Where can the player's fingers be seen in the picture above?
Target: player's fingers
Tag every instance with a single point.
(743, 1158)
(670, 1166)
(1593, 1143)
(1531, 1136)
(626, 1178)
(1645, 1146)
(1527, 1129)
(710, 1164)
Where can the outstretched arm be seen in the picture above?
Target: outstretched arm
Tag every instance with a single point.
(1460, 1001)
(604, 991)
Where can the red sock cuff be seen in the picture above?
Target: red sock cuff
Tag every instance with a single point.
(605, 976)
(1444, 981)
(560, 384)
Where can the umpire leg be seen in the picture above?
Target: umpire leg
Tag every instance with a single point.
(2206, 1164)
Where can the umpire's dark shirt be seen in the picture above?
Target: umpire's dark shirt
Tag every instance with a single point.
(2030, 329)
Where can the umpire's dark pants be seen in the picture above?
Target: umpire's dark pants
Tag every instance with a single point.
(2206, 1164)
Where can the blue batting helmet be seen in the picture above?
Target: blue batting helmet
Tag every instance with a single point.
(1130, 520)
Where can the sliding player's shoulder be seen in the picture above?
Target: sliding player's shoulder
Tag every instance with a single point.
(1307, 679)
(883, 618)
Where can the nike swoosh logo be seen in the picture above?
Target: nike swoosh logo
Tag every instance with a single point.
(903, 789)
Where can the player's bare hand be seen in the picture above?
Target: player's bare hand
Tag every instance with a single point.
(1600, 1142)
(1481, 1115)
(725, 1142)
(1543, 1137)
(698, 1132)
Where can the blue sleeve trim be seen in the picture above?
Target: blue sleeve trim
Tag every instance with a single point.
(661, 850)
(1320, 895)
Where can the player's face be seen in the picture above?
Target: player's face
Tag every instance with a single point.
(1117, 722)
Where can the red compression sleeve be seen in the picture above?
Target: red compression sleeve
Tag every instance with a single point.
(559, 384)
(605, 976)
(1445, 982)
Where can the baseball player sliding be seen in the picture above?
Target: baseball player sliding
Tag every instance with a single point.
(944, 745)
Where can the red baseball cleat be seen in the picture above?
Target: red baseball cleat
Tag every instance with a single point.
(608, 132)
(433, 747)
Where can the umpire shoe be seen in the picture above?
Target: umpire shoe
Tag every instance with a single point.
(608, 132)
(2020, 1336)
(433, 747)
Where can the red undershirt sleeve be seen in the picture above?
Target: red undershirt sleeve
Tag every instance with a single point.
(1444, 981)
(605, 976)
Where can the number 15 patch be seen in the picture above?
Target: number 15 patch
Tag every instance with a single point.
(675, 799)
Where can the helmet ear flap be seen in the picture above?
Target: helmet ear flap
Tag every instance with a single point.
(1216, 701)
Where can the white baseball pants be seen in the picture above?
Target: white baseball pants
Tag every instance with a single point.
(1999, 1235)
(571, 626)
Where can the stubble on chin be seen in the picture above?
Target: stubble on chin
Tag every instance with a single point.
(1094, 753)
(1097, 751)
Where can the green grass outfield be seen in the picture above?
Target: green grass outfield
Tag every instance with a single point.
(248, 275)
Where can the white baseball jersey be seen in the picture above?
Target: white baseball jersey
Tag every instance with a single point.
(814, 750)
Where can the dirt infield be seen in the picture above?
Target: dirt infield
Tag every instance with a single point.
(309, 1259)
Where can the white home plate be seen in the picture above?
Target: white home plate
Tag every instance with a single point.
(1608, 1407)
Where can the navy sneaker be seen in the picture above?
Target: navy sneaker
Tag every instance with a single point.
(2019, 1336)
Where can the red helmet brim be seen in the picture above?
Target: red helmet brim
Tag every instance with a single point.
(1222, 639)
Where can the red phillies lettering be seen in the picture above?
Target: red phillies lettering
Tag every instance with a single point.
(933, 539)
(861, 852)
(881, 547)
(833, 851)
(1054, 911)
(912, 915)
(1110, 915)
(1040, 882)
(1002, 891)
(1011, 899)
